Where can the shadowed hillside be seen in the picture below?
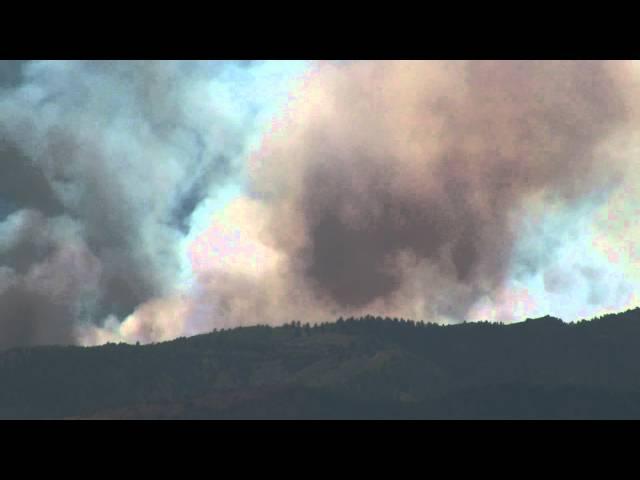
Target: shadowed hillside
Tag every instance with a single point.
(355, 368)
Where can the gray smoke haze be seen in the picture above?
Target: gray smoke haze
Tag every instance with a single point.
(390, 187)
(102, 165)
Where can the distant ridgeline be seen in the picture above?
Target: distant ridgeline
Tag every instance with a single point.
(355, 368)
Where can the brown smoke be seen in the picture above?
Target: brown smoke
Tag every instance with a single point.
(390, 181)
(399, 188)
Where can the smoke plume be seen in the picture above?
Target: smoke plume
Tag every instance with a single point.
(396, 184)
(402, 188)
(103, 166)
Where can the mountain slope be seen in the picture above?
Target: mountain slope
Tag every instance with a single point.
(366, 368)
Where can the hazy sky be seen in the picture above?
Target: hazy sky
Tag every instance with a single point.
(144, 200)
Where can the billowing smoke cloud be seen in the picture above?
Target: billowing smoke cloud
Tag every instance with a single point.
(402, 180)
(401, 188)
(103, 166)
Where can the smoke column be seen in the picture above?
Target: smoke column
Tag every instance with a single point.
(149, 200)
(104, 167)
(413, 188)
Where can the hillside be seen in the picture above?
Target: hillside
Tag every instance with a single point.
(355, 368)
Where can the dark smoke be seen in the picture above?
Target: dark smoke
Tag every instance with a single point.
(103, 164)
(392, 187)
(431, 160)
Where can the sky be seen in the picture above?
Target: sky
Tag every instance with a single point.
(147, 200)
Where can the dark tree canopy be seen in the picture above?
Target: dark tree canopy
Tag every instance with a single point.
(368, 367)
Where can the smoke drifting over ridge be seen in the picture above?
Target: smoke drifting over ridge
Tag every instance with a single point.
(103, 164)
(394, 188)
(392, 173)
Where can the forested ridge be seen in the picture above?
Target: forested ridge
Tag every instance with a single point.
(368, 367)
